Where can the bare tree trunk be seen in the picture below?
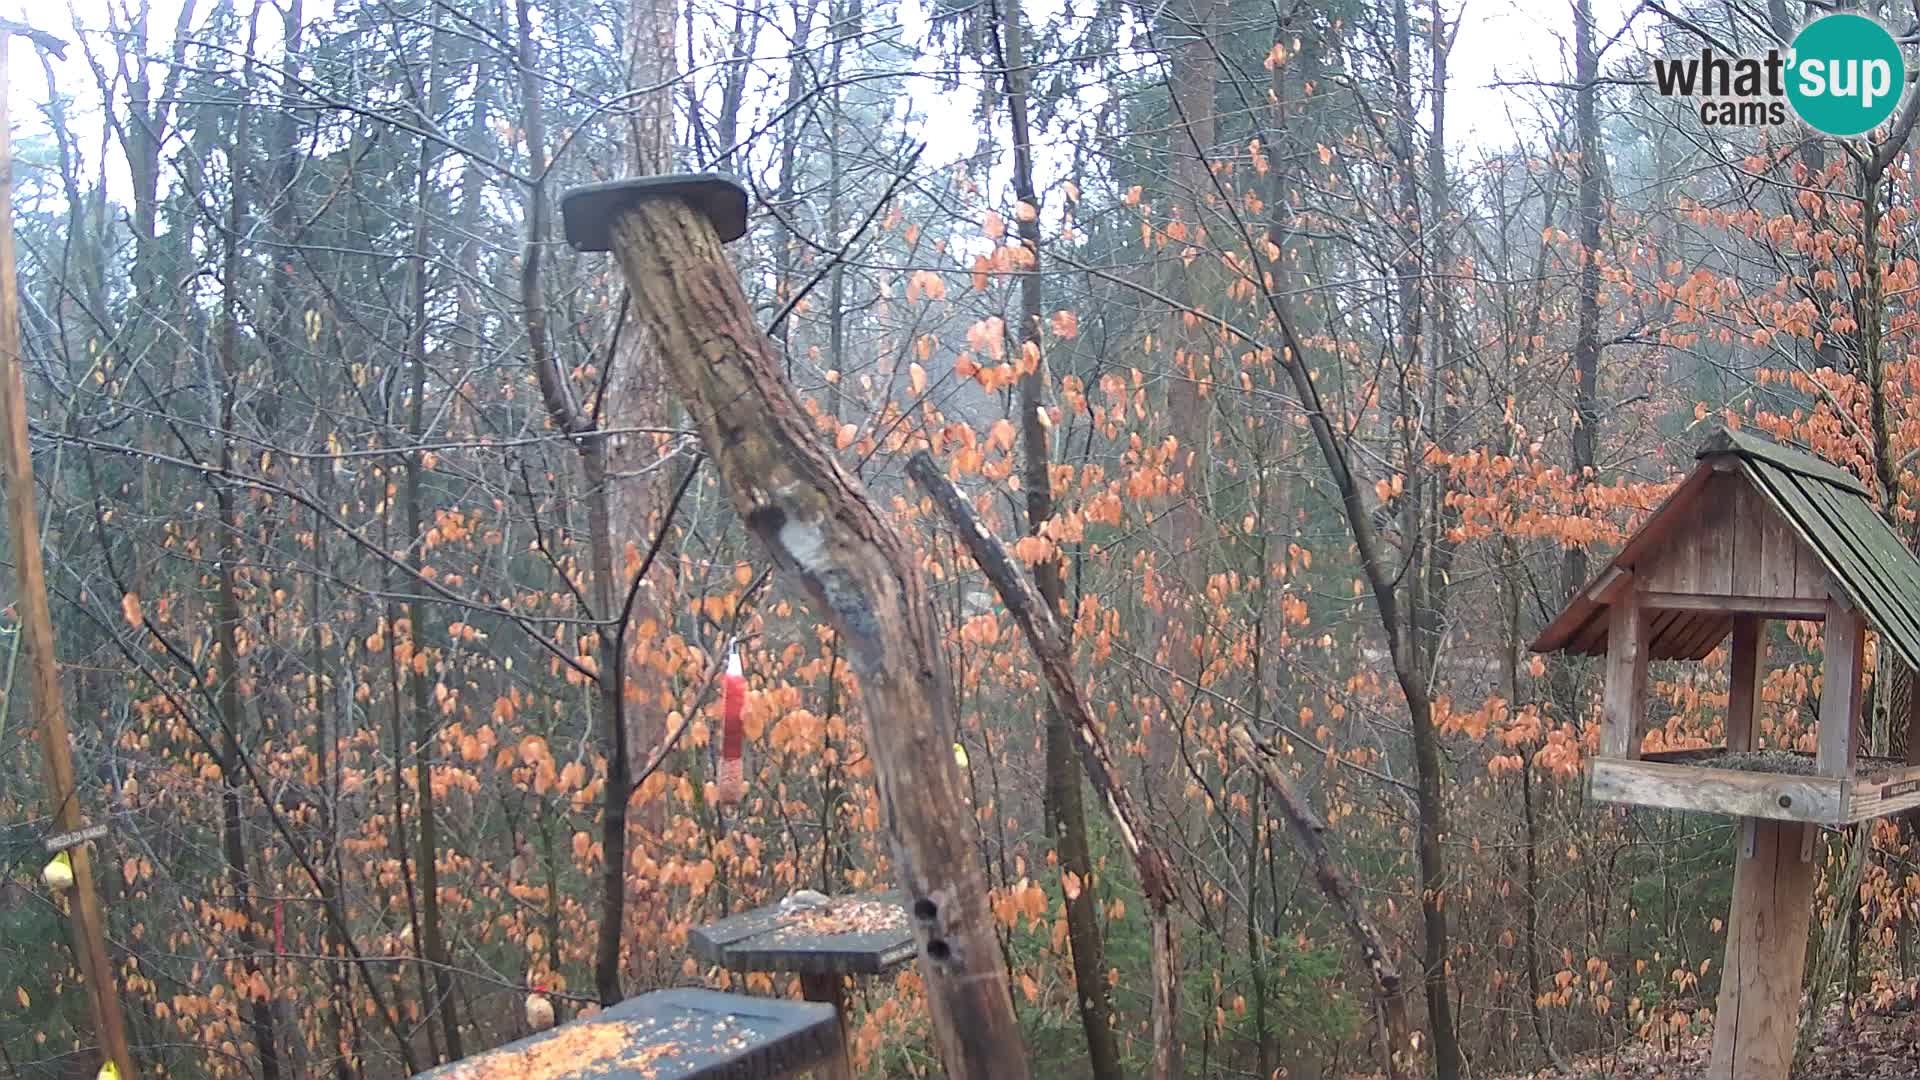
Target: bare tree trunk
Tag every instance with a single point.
(445, 1003)
(609, 681)
(1066, 815)
(227, 610)
(1588, 219)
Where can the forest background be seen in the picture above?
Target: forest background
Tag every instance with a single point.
(1313, 352)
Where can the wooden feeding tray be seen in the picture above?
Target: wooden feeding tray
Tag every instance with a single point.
(822, 941)
(864, 934)
(1776, 784)
(667, 1035)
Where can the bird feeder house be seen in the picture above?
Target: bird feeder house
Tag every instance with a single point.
(1757, 532)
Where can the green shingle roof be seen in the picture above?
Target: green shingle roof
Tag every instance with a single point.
(1828, 508)
(1831, 510)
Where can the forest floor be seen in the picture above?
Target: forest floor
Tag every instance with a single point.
(1876, 1046)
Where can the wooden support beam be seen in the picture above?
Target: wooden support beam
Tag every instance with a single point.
(830, 988)
(1842, 646)
(1749, 670)
(821, 528)
(1625, 712)
(1759, 1007)
(1776, 607)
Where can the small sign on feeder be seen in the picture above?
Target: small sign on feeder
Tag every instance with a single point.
(62, 841)
(1758, 531)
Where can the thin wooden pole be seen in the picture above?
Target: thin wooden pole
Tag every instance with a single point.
(36, 622)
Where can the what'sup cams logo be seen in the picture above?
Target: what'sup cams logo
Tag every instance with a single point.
(1843, 75)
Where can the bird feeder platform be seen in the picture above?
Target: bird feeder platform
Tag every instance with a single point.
(667, 1035)
(822, 942)
(1758, 531)
(1779, 785)
(863, 934)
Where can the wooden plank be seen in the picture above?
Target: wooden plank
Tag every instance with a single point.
(1714, 542)
(1779, 549)
(1772, 607)
(1794, 513)
(1626, 688)
(1759, 1004)
(1675, 642)
(1898, 574)
(1749, 538)
(1882, 796)
(1748, 670)
(1661, 626)
(1775, 796)
(1705, 636)
(1674, 514)
(1591, 640)
(1577, 618)
(1871, 576)
(1810, 575)
(1843, 641)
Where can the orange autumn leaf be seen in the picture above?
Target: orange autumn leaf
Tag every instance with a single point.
(130, 608)
(1033, 549)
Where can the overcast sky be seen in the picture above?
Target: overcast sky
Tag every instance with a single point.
(1499, 41)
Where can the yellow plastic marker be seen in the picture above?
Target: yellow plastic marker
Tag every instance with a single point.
(59, 873)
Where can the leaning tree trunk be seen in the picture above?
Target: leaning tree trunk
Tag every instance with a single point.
(819, 525)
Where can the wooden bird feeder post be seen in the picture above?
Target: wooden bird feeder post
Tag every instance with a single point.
(1757, 532)
(821, 529)
(64, 793)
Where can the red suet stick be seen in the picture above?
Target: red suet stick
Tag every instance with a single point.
(732, 785)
